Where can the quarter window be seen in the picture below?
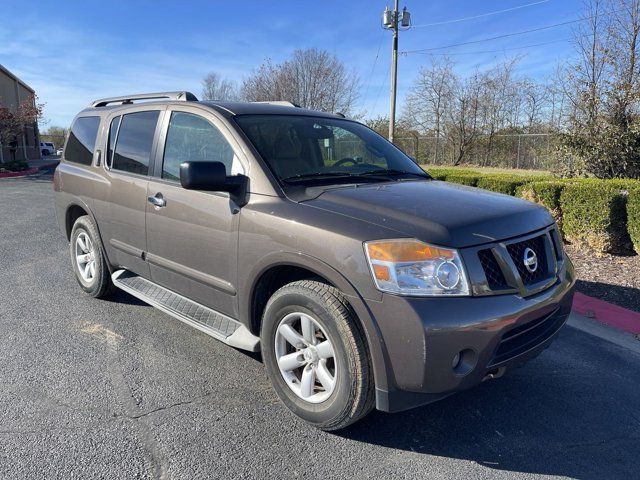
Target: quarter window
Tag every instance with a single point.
(193, 138)
(135, 139)
(113, 131)
(82, 140)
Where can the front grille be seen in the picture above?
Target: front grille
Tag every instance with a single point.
(492, 271)
(537, 244)
(524, 337)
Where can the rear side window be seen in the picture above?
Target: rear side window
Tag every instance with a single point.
(135, 139)
(82, 140)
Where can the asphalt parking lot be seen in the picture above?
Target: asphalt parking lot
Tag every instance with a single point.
(116, 389)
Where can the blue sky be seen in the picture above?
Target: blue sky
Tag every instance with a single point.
(75, 51)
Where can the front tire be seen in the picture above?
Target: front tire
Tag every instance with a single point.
(316, 355)
(88, 260)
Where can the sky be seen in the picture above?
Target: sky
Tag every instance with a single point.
(73, 52)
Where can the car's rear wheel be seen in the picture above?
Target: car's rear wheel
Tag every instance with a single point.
(88, 260)
(316, 355)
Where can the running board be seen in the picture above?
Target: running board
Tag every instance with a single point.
(209, 321)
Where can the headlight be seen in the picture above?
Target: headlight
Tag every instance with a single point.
(411, 267)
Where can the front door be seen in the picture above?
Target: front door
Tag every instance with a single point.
(192, 236)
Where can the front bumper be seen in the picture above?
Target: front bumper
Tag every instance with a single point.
(494, 333)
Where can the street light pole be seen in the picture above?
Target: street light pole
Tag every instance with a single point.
(393, 20)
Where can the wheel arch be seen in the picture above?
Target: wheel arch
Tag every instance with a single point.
(76, 209)
(281, 268)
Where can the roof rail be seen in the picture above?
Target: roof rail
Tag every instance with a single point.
(182, 96)
(282, 103)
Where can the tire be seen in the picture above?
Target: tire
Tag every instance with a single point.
(351, 396)
(99, 284)
(45, 153)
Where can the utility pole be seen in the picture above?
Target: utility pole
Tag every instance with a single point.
(393, 19)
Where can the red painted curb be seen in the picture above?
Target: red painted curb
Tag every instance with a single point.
(23, 173)
(607, 313)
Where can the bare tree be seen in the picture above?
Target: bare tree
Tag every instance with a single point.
(311, 78)
(603, 130)
(214, 87)
(430, 98)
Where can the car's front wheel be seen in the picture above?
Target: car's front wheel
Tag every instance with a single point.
(88, 260)
(316, 355)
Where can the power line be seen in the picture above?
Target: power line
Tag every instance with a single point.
(375, 61)
(523, 32)
(488, 14)
(496, 51)
(507, 35)
(384, 84)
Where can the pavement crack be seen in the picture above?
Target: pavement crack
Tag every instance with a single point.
(125, 394)
(168, 407)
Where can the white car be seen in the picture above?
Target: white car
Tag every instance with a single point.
(59, 152)
(47, 148)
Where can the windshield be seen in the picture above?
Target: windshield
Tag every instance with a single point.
(302, 149)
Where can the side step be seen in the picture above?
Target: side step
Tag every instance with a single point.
(209, 321)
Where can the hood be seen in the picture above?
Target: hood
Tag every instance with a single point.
(436, 212)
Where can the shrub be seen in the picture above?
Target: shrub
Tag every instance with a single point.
(594, 214)
(545, 193)
(633, 214)
(463, 178)
(503, 183)
(14, 166)
(440, 173)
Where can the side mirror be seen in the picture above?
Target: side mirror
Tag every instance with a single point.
(212, 177)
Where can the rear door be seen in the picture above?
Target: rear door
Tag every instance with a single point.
(192, 239)
(131, 142)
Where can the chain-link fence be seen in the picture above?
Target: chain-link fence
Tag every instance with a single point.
(525, 150)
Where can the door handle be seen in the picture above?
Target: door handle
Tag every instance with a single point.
(157, 200)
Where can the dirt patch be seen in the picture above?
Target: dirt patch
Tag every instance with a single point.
(614, 279)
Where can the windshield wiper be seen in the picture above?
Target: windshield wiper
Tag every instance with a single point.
(302, 176)
(392, 171)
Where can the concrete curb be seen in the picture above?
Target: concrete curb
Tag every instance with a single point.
(607, 313)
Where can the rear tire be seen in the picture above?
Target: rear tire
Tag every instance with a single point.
(88, 260)
(341, 389)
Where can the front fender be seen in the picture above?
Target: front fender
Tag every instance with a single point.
(373, 337)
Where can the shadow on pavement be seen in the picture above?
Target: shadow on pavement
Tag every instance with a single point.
(557, 415)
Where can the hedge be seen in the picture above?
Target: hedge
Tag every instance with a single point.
(633, 214)
(503, 183)
(546, 193)
(594, 214)
(463, 178)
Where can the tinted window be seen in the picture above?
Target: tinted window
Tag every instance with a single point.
(113, 131)
(193, 138)
(82, 140)
(135, 139)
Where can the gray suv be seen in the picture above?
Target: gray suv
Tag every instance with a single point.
(312, 239)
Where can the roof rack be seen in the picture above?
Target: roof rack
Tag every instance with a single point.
(283, 103)
(182, 96)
